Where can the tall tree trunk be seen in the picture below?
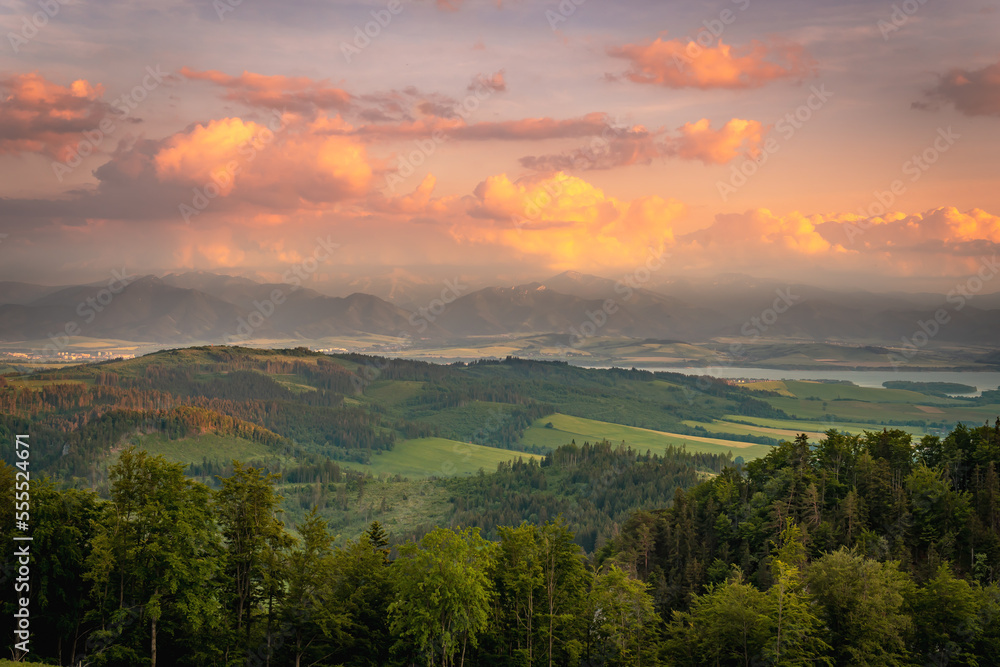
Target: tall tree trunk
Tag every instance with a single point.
(531, 616)
(152, 644)
(76, 638)
(267, 661)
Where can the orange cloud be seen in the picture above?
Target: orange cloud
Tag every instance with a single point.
(942, 228)
(206, 150)
(698, 141)
(938, 242)
(297, 93)
(678, 64)
(287, 164)
(568, 222)
(759, 231)
(419, 203)
(38, 116)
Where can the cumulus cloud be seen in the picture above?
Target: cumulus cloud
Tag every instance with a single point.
(973, 92)
(286, 165)
(567, 222)
(39, 116)
(698, 141)
(761, 229)
(679, 64)
(937, 242)
(252, 171)
(944, 229)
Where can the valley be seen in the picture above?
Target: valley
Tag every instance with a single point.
(365, 437)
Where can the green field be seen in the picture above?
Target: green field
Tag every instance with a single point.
(38, 383)
(294, 383)
(824, 425)
(781, 433)
(829, 391)
(437, 457)
(565, 429)
(400, 506)
(393, 392)
(881, 413)
(866, 407)
(223, 448)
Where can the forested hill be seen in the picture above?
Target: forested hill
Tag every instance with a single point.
(881, 550)
(304, 406)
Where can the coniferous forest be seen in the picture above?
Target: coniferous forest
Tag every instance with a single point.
(871, 549)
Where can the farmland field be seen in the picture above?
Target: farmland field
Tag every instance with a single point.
(566, 428)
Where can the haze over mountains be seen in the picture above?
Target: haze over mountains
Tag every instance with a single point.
(206, 307)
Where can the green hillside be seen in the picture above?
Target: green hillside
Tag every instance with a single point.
(566, 429)
(437, 457)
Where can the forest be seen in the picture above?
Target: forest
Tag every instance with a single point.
(869, 549)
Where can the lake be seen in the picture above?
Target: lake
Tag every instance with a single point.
(870, 378)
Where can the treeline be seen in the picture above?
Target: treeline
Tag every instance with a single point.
(736, 437)
(942, 389)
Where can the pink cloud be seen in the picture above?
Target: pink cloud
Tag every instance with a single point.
(678, 64)
(298, 93)
(38, 116)
(698, 141)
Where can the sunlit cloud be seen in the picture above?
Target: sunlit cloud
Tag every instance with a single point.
(565, 222)
(39, 116)
(677, 63)
(283, 93)
(698, 141)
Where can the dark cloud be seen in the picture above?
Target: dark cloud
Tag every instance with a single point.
(973, 92)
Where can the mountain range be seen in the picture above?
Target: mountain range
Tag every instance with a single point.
(206, 307)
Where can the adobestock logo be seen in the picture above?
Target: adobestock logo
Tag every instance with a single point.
(372, 29)
(262, 310)
(37, 21)
(958, 297)
(452, 290)
(89, 309)
(786, 126)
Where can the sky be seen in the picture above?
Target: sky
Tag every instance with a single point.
(832, 143)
